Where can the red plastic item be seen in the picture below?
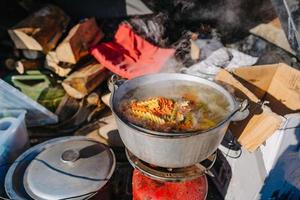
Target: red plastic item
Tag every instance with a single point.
(145, 188)
(129, 55)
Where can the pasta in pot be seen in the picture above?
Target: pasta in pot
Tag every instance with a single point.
(183, 114)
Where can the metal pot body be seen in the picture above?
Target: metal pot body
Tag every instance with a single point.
(171, 150)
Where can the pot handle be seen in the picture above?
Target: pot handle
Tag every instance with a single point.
(241, 111)
(113, 83)
(207, 169)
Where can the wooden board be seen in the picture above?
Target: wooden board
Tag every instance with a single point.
(273, 32)
(256, 78)
(261, 122)
(259, 129)
(284, 90)
(239, 90)
(277, 86)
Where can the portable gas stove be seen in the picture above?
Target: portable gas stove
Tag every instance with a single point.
(137, 179)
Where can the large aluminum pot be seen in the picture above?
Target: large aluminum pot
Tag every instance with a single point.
(171, 150)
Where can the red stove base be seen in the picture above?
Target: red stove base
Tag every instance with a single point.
(144, 188)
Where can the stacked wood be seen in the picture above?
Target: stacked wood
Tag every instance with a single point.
(11, 55)
(52, 63)
(195, 50)
(31, 54)
(10, 63)
(41, 30)
(81, 82)
(74, 47)
(80, 38)
(93, 99)
(38, 39)
(24, 65)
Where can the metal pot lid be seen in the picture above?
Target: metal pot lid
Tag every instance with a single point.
(74, 169)
(170, 174)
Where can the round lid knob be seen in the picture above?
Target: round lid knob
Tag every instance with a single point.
(70, 156)
(69, 169)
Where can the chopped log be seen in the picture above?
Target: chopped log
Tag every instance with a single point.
(53, 64)
(41, 30)
(67, 108)
(31, 54)
(25, 65)
(195, 50)
(10, 64)
(85, 80)
(93, 99)
(80, 38)
(105, 99)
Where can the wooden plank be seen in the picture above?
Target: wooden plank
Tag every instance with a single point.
(273, 33)
(259, 128)
(261, 122)
(239, 90)
(256, 78)
(284, 90)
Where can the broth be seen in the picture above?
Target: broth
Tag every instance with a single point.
(175, 107)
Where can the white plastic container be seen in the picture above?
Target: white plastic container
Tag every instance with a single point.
(13, 140)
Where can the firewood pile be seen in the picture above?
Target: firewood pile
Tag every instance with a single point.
(45, 40)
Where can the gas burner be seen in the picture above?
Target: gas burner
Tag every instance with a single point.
(172, 174)
(144, 187)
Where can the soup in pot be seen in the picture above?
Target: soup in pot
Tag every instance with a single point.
(186, 112)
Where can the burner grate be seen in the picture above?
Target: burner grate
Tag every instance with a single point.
(171, 174)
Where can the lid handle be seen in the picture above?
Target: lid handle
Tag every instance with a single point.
(70, 156)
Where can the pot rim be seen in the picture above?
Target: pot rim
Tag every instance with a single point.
(172, 134)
